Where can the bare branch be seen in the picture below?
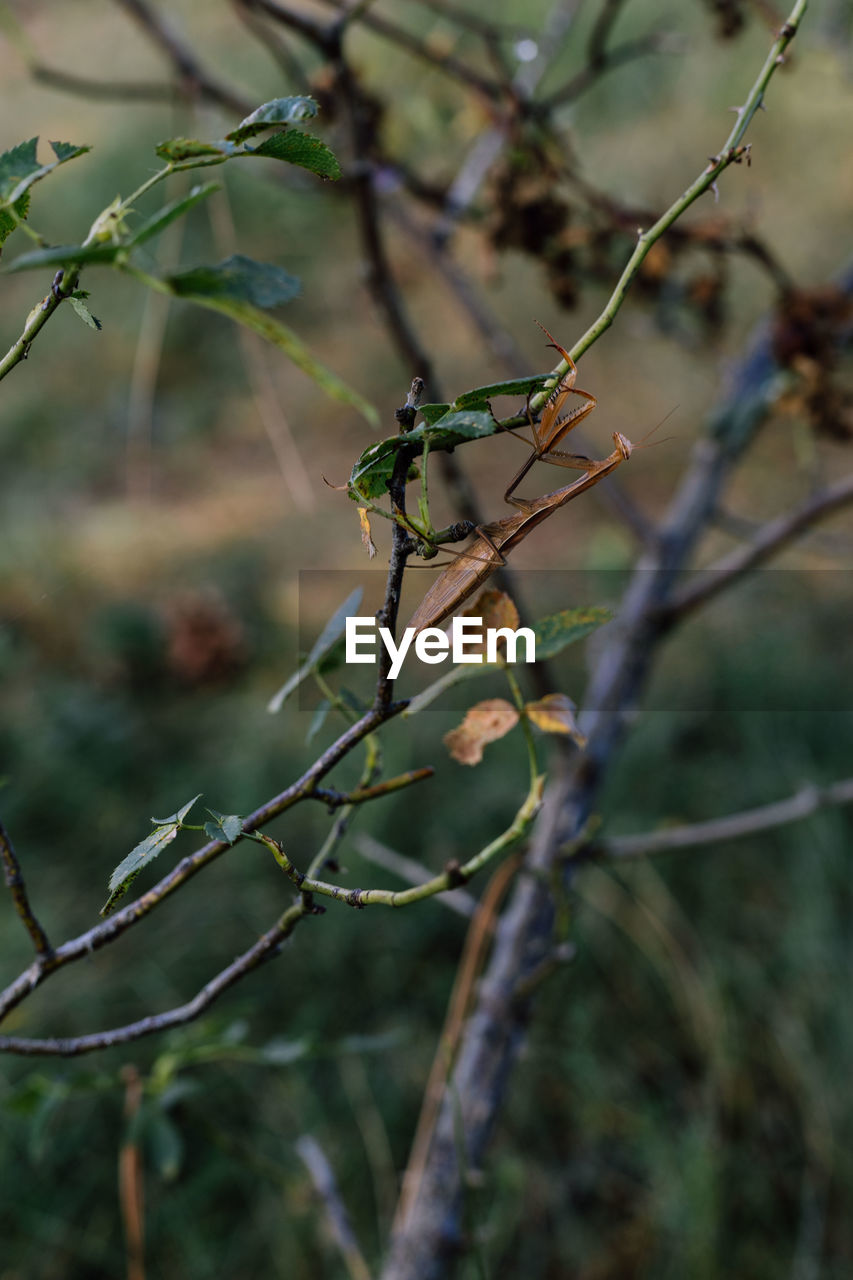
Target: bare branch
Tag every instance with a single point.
(264, 949)
(111, 90)
(313, 1157)
(767, 542)
(735, 826)
(108, 931)
(335, 799)
(18, 889)
(195, 77)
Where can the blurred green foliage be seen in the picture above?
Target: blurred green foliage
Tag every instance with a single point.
(682, 1109)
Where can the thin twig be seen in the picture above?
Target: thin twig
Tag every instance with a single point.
(735, 826)
(767, 542)
(313, 1157)
(412, 872)
(362, 794)
(264, 949)
(17, 888)
(525, 937)
(454, 874)
(414, 44)
(630, 51)
(107, 931)
(111, 90)
(273, 43)
(733, 152)
(194, 76)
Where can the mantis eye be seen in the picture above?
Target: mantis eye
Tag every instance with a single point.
(623, 444)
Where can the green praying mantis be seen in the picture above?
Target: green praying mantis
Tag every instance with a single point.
(494, 541)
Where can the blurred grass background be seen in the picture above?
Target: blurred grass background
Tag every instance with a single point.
(683, 1107)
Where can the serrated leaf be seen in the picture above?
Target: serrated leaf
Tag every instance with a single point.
(237, 279)
(144, 853)
(303, 149)
(127, 871)
(66, 255)
(160, 220)
(176, 149)
(180, 814)
(12, 215)
(555, 713)
(432, 412)
(225, 827)
(80, 308)
(19, 167)
(512, 387)
(280, 111)
(458, 426)
(558, 630)
(373, 470)
(328, 638)
(486, 722)
(66, 150)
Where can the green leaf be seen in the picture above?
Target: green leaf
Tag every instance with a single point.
(328, 638)
(514, 387)
(432, 412)
(300, 148)
(19, 167)
(16, 165)
(164, 1141)
(279, 111)
(144, 853)
(12, 215)
(225, 827)
(160, 220)
(237, 279)
(176, 149)
(83, 312)
(555, 632)
(179, 815)
(66, 151)
(66, 255)
(373, 470)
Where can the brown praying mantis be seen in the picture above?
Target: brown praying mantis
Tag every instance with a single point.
(470, 568)
(494, 541)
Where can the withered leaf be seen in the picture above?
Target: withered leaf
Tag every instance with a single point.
(483, 723)
(555, 713)
(366, 539)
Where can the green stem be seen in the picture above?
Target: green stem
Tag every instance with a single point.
(733, 152)
(449, 879)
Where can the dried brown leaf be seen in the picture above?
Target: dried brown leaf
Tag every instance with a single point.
(483, 723)
(496, 609)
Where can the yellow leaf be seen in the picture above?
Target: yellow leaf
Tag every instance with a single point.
(486, 722)
(555, 713)
(366, 540)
